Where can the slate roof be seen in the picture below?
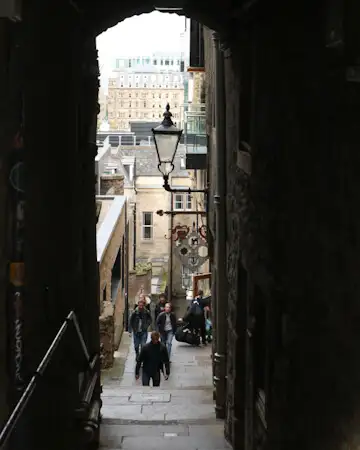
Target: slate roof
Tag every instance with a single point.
(146, 161)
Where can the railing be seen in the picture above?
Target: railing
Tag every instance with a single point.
(13, 420)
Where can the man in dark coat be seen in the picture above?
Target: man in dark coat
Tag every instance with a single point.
(160, 307)
(140, 320)
(153, 357)
(166, 324)
(195, 318)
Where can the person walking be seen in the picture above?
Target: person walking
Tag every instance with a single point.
(153, 357)
(196, 320)
(146, 299)
(166, 324)
(140, 320)
(160, 307)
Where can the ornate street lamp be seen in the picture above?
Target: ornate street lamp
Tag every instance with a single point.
(167, 137)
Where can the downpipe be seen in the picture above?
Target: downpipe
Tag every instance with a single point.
(92, 424)
(221, 287)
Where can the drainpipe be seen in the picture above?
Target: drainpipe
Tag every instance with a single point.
(134, 224)
(171, 250)
(127, 236)
(221, 288)
(134, 236)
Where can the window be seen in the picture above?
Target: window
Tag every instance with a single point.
(144, 104)
(178, 202)
(182, 202)
(188, 202)
(136, 94)
(130, 94)
(147, 226)
(137, 85)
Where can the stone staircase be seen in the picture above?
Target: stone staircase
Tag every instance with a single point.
(177, 416)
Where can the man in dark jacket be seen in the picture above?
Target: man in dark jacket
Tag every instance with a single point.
(153, 357)
(140, 320)
(196, 319)
(166, 324)
(160, 307)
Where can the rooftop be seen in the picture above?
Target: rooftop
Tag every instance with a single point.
(146, 160)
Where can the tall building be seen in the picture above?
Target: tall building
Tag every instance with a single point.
(141, 87)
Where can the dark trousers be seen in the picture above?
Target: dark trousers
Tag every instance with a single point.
(199, 327)
(155, 379)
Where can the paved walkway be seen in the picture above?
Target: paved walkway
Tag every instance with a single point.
(177, 416)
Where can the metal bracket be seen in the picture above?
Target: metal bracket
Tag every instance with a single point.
(168, 188)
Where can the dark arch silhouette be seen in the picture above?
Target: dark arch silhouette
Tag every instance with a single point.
(103, 15)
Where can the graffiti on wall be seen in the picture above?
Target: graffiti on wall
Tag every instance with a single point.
(16, 256)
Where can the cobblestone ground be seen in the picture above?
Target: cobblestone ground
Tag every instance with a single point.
(177, 416)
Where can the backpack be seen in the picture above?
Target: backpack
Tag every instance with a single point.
(197, 310)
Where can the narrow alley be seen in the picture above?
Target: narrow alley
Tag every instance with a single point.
(178, 415)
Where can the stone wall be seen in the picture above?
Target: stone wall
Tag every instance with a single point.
(5, 145)
(139, 281)
(111, 184)
(112, 309)
(107, 334)
(293, 233)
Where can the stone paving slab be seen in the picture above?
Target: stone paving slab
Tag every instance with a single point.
(150, 397)
(166, 441)
(179, 415)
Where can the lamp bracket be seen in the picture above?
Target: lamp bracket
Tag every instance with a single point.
(168, 188)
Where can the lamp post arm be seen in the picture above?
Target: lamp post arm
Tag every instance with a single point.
(168, 188)
(160, 212)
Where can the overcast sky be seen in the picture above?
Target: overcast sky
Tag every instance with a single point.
(139, 35)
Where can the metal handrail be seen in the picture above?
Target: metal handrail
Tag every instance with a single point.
(24, 399)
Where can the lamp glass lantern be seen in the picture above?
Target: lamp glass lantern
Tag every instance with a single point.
(166, 137)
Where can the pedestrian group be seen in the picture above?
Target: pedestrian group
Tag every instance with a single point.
(154, 357)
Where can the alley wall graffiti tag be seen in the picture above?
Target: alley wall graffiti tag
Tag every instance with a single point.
(16, 228)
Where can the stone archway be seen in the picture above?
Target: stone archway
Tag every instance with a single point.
(57, 79)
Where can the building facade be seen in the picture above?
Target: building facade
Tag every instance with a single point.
(141, 86)
(143, 97)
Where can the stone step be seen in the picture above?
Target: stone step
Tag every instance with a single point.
(161, 437)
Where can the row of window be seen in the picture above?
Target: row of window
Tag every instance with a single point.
(146, 85)
(121, 94)
(154, 78)
(142, 115)
(130, 104)
(132, 62)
